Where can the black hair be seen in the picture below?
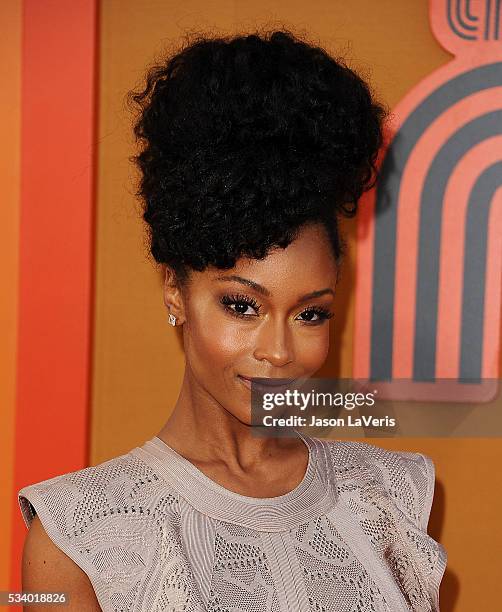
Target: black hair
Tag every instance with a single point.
(246, 139)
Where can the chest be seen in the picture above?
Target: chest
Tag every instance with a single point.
(329, 563)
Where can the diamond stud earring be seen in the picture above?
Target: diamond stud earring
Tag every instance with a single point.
(172, 319)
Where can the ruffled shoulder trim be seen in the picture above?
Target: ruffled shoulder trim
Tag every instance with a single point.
(106, 519)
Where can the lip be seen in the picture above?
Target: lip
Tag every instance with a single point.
(284, 382)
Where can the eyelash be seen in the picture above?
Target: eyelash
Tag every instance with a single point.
(228, 300)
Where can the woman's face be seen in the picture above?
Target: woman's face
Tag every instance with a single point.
(255, 321)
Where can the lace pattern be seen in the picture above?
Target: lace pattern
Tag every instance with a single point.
(241, 577)
(334, 577)
(145, 548)
(390, 494)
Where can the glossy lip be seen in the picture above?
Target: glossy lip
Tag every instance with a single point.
(285, 382)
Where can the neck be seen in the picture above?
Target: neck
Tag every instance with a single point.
(202, 430)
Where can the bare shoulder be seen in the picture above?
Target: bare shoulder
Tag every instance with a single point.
(46, 568)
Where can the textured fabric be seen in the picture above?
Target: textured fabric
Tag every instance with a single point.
(154, 533)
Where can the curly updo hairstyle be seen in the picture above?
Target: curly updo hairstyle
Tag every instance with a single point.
(244, 140)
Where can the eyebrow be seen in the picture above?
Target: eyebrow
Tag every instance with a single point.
(266, 292)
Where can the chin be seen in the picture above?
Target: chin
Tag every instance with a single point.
(243, 415)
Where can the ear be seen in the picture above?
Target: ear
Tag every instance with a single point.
(173, 298)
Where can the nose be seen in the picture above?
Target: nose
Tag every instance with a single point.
(275, 343)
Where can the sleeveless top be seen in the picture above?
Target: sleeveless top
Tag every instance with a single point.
(153, 532)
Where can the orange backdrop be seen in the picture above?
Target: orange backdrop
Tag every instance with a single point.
(88, 366)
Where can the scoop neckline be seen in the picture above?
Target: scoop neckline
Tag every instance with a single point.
(313, 495)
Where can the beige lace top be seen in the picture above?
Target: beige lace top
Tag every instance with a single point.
(154, 533)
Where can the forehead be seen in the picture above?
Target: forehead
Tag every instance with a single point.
(307, 264)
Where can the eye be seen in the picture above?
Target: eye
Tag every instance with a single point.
(318, 311)
(242, 303)
(238, 305)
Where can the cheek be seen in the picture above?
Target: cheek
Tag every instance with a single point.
(214, 342)
(312, 349)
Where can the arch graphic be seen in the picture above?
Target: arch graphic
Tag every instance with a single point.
(430, 236)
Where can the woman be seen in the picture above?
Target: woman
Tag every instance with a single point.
(252, 148)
